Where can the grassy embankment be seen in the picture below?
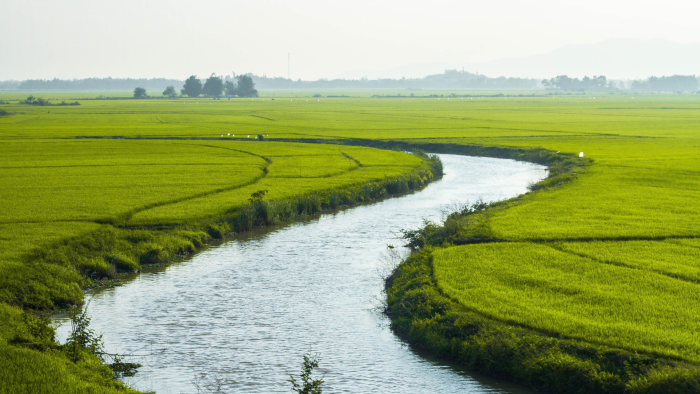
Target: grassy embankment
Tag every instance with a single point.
(619, 240)
(80, 213)
(590, 287)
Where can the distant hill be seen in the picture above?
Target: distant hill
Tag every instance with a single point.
(616, 58)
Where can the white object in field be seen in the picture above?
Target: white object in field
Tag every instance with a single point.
(248, 136)
(222, 135)
(580, 154)
(233, 135)
(229, 133)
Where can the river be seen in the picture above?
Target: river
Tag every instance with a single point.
(243, 312)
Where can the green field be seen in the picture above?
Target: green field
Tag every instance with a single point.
(609, 258)
(81, 212)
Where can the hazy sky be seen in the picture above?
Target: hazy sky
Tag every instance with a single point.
(124, 38)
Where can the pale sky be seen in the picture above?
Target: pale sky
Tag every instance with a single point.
(175, 39)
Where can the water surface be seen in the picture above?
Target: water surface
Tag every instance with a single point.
(246, 310)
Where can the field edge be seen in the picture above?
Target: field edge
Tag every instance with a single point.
(130, 248)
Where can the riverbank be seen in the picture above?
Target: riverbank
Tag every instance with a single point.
(634, 209)
(275, 292)
(101, 255)
(542, 359)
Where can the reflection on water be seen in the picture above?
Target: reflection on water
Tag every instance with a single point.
(246, 311)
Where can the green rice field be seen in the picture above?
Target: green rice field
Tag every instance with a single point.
(609, 258)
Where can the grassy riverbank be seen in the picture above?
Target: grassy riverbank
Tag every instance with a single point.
(81, 213)
(626, 211)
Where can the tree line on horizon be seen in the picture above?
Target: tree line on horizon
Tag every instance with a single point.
(674, 83)
(450, 79)
(214, 86)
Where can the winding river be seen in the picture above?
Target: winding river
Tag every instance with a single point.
(243, 312)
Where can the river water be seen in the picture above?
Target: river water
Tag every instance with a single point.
(242, 313)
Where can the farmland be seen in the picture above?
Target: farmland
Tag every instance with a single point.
(81, 212)
(607, 258)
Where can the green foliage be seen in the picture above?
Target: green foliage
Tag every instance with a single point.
(632, 195)
(213, 86)
(82, 339)
(308, 385)
(245, 86)
(140, 93)
(537, 286)
(552, 363)
(256, 197)
(121, 262)
(230, 88)
(31, 100)
(192, 87)
(170, 92)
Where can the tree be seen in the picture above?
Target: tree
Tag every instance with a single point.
(139, 93)
(246, 86)
(308, 384)
(213, 86)
(230, 88)
(192, 87)
(170, 91)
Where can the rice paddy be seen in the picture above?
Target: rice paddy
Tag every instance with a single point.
(610, 258)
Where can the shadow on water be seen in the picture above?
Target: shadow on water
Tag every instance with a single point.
(246, 309)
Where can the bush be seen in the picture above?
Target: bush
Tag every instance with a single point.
(122, 263)
(151, 253)
(97, 268)
(218, 231)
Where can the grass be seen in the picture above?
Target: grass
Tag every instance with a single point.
(627, 211)
(79, 212)
(558, 292)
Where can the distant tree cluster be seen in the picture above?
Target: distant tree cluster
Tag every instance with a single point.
(170, 92)
(140, 93)
(11, 84)
(214, 86)
(563, 82)
(31, 100)
(675, 83)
